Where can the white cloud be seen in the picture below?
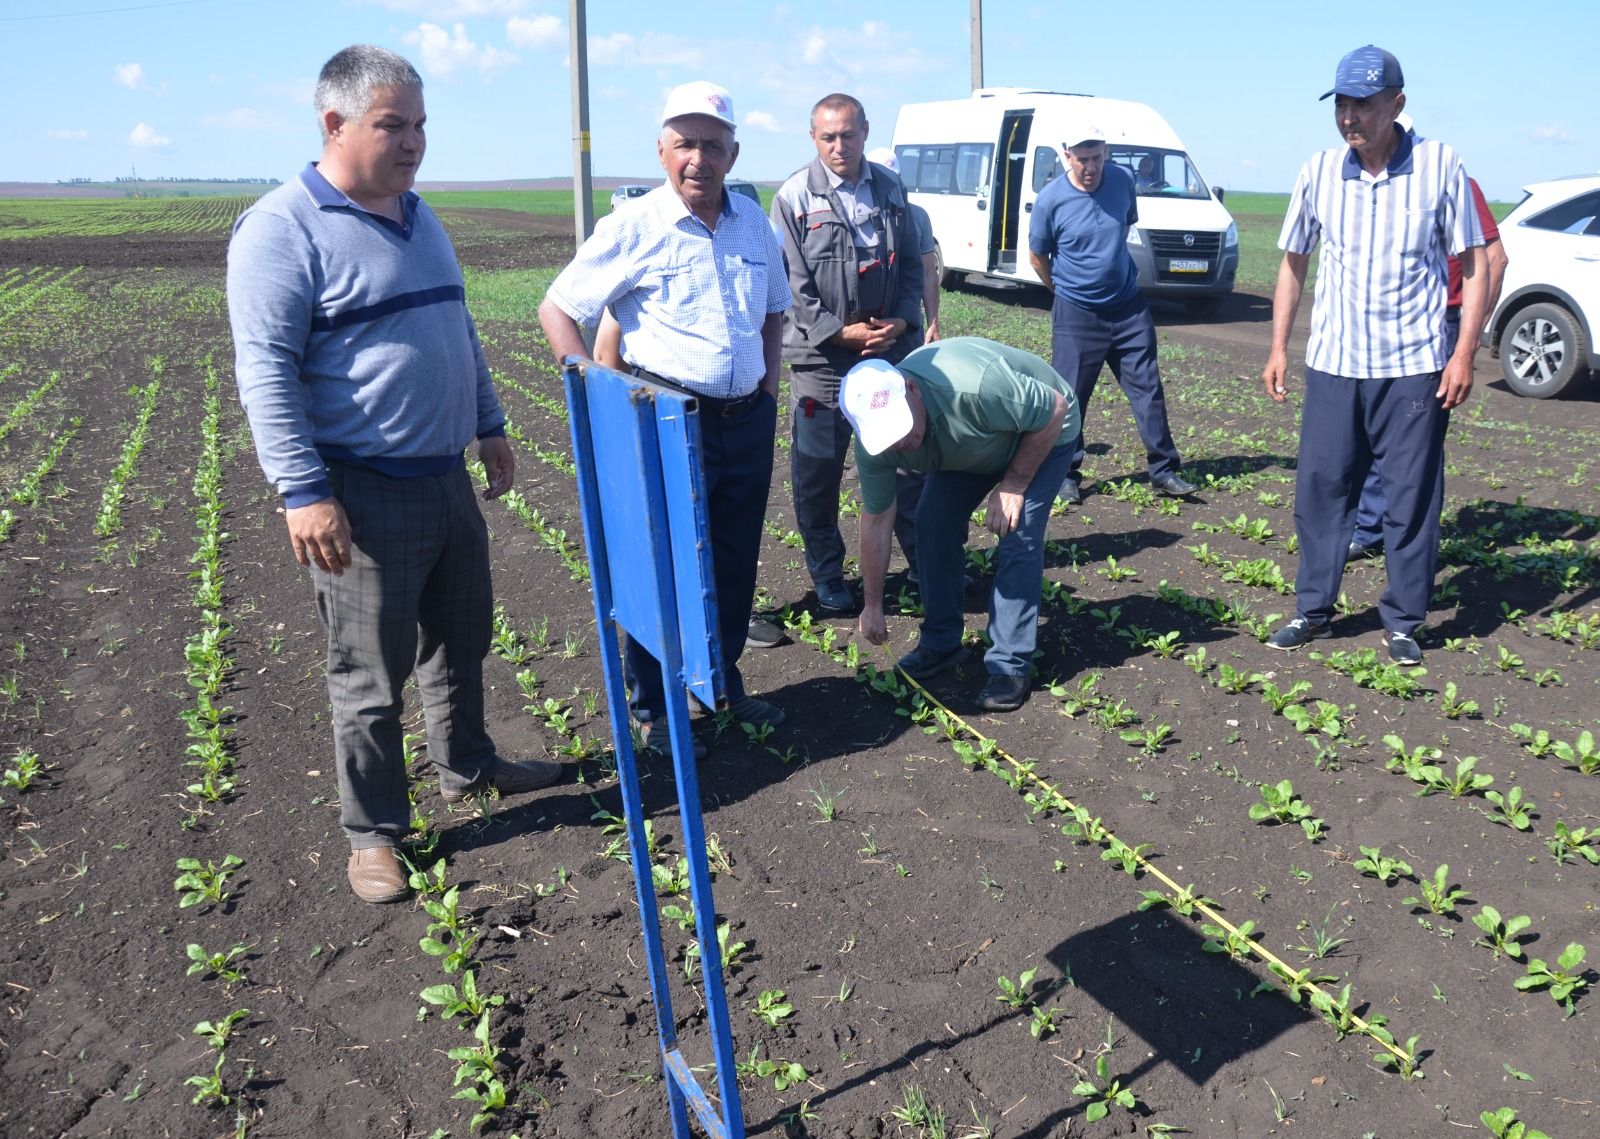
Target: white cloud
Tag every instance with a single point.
(444, 52)
(653, 50)
(762, 121)
(537, 33)
(67, 135)
(815, 49)
(243, 119)
(1550, 134)
(1249, 164)
(300, 91)
(130, 75)
(144, 136)
(454, 9)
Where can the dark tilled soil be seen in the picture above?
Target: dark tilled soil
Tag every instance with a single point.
(886, 926)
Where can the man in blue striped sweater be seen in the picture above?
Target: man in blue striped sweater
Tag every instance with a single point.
(1388, 210)
(360, 371)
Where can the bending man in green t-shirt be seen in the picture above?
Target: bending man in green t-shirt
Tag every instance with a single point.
(984, 420)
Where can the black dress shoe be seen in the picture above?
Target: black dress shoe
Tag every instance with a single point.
(1070, 494)
(1174, 486)
(1003, 693)
(1359, 551)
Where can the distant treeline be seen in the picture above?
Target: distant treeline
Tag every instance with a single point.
(192, 181)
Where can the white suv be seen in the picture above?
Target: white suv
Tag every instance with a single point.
(1545, 326)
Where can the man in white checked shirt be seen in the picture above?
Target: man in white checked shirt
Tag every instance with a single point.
(695, 279)
(1388, 210)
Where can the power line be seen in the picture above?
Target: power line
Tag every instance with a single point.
(103, 11)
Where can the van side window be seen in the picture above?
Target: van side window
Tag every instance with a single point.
(910, 159)
(1046, 166)
(972, 168)
(934, 169)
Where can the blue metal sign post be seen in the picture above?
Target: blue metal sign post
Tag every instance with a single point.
(642, 496)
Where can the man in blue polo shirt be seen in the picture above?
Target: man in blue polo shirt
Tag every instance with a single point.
(360, 372)
(1388, 209)
(1078, 241)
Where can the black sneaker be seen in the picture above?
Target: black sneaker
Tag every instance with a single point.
(1003, 693)
(1402, 648)
(763, 634)
(833, 597)
(1297, 633)
(923, 662)
(1070, 493)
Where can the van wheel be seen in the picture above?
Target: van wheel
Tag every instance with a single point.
(1541, 350)
(1204, 307)
(938, 267)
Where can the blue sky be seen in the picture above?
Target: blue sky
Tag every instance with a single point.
(222, 87)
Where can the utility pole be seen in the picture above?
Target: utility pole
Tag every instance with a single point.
(582, 179)
(977, 44)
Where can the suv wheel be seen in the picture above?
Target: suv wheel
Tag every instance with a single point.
(1541, 350)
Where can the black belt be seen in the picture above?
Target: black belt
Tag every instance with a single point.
(713, 405)
(1453, 312)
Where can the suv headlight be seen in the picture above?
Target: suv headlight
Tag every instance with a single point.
(1230, 240)
(1133, 236)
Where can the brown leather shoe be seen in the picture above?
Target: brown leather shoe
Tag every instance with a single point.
(377, 876)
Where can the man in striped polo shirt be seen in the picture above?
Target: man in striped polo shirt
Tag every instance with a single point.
(1388, 210)
(360, 372)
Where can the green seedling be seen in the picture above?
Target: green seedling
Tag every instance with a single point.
(204, 881)
(1536, 743)
(1236, 681)
(1279, 804)
(825, 801)
(1184, 901)
(1323, 943)
(1103, 1092)
(1511, 809)
(1499, 934)
(1324, 718)
(1563, 981)
(1437, 894)
(1128, 857)
(784, 1074)
(218, 964)
(1465, 781)
(1453, 707)
(1506, 660)
(479, 1065)
(453, 1001)
(916, 1111)
(731, 951)
(1580, 754)
(21, 777)
(772, 1008)
(1278, 699)
(1152, 741)
(1235, 943)
(1373, 862)
(217, 1032)
(1014, 994)
(447, 936)
(1504, 1124)
(1567, 841)
(1406, 1063)
(425, 882)
(669, 878)
(1336, 1010)
(1166, 645)
(1044, 1023)
(1197, 662)
(209, 1087)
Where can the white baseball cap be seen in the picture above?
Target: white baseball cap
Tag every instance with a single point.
(1083, 133)
(884, 156)
(873, 397)
(699, 98)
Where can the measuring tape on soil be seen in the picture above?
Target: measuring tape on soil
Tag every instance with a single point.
(1405, 1058)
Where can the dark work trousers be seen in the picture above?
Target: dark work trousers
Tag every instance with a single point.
(736, 456)
(948, 500)
(820, 442)
(1081, 341)
(1345, 426)
(1373, 506)
(416, 595)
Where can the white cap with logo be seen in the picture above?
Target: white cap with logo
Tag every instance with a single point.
(873, 398)
(699, 98)
(1083, 133)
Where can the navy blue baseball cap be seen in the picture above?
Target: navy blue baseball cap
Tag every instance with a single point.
(1365, 72)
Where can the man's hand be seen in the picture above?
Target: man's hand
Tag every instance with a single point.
(499, 464)
(874, 336)
(1005, 511)
(320, 533)
(1275, 373)
(872, 625)
(931, 333)
(1455, 382)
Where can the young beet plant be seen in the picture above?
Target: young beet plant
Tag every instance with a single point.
(204, 881)
(1279, 804)
(1504, 1124)
(1103, 1092)
(1564, 981)
(1437, 894)
(1500, 934)
(1373, 862)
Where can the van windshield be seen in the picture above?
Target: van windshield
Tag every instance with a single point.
(1160, 173)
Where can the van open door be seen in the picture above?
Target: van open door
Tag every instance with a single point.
(1008, 228)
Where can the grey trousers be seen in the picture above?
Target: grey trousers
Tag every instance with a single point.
(416, 596)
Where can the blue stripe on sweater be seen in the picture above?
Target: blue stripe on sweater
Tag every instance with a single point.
(421, 298)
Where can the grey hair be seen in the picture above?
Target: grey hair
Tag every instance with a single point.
(348, 80)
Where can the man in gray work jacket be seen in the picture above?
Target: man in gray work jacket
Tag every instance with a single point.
(856, 273)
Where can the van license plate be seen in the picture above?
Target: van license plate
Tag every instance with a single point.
(1179, 265)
